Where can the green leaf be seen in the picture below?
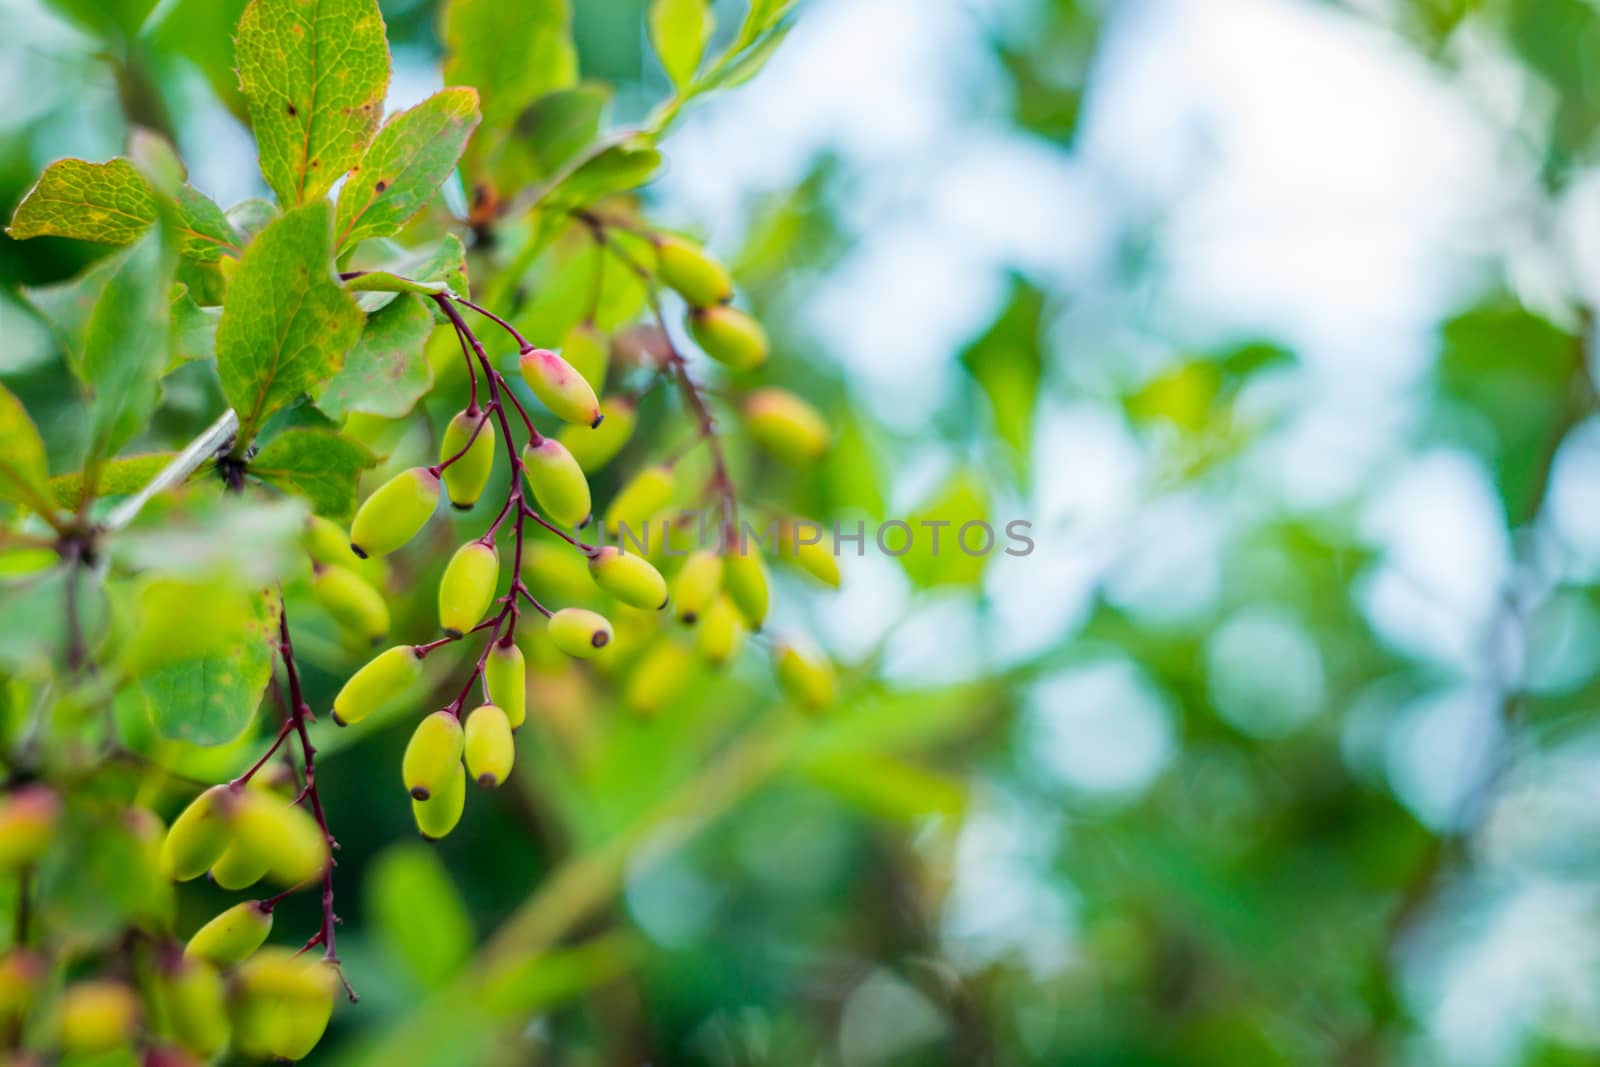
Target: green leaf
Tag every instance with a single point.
(110, 19)
(679, 30)
(176, 618)
(886, 786)
(287, 324)
(209, 700)
(102, 876)
(762, 16)
(617, 169)
(406, 163)
(24, 475)
(407, 881)
(558, 125)
(316, 464)
(126, 346)
(747, 64)
(194, 330)
(314, 73)
(111, 203)
(250, 217)
(512, 54)
(204, 232)
(1512, 369)
(107, 203)
(936, 556)
(385, 374)
(123, 476)
(1008, 363)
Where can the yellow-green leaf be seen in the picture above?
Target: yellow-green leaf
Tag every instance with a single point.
(108, 203)
(406, 163)
(385, 373)
(24, 476)
(314, 73)
(679, 30)
(287, 323)
(316, 464)
(120, 477)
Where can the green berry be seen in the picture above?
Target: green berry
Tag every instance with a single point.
(231, 936)
(579, 632)
(432, 755)
(697, 584)
(382, 679)
(721, 632)
(97, 1016)
(729, 336)
(395, 513)
(489, 750)
(805, 675)
(282, 1003)
(191, 1000)
(786, 426)
(464, 480)
(281, 833)
(557, 482)
(467, 588)
(350, 601)
(440, 813)
(199, 835)
(684, 267)
(505, 673)
(630, 578)
(744, 577)
(238, 867)
(560, 387)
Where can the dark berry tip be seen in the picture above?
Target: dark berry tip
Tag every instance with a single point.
(420, 793)
(357, 549)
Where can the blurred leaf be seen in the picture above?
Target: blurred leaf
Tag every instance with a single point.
(184, 618)
(909, 720)
(204, 232)
(194, 330)
(1514, 369)
(385, 373)
(1008, 364)
(24, 477)
(747, 65)
(512, 54)
(111, 203)
(408, 883)
(679, 30)
(107, 203)
(122, 476)
(126, 344)
(1183, 395)
(318, 465)
(33, 628)
(250, 217)
(101, 877)
(406, 163)
(315, 79)
(943, 551)
(210, 699)
(199, 529)
(762, 16)
(112, 19)
(615, 170)
(888, 787)
(287, 324)
(533, 985)
(558, 125)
